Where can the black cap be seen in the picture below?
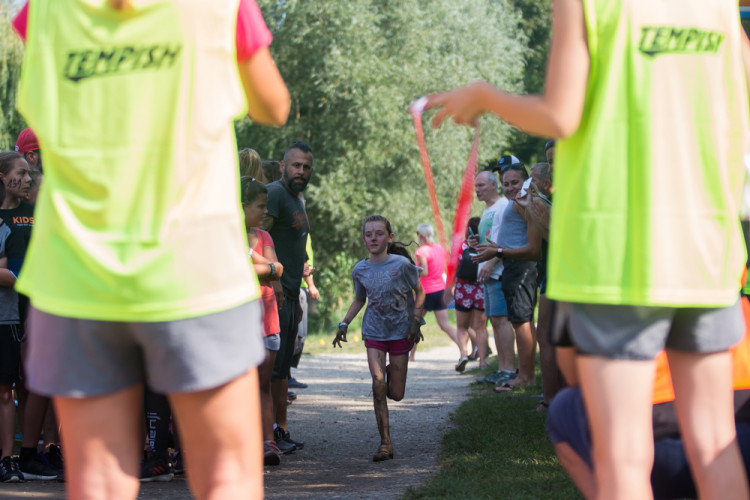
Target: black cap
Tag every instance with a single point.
(508, 161)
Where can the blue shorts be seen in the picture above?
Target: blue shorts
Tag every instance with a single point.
(494, 298)
(272, 342)
(567, 422)
(435, 301)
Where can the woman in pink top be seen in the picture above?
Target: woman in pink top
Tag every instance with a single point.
(431, 258)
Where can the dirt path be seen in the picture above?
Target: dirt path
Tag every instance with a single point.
(334, 418)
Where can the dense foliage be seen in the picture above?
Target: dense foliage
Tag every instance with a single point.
(11, 55)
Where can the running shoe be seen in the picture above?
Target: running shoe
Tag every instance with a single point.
(296, 384)
(271, 453)
(284, 446)
(297, 444)
(506, 376)
(38, 468)
(474, 354)
(9, 471)
(291, 395)
(54, 457)
(178, 465)
(155, 469)
(385, 452)
(461, 365)
(497, 377)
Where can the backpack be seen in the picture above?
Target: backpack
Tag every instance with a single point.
(467, 270)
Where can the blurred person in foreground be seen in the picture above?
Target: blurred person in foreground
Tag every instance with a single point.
(136, 269)
(637, 263)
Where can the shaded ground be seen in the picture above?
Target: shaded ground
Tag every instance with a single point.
(334, 418)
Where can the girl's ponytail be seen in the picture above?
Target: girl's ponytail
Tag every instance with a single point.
(399, 248)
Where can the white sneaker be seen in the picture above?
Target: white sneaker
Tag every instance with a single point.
(461, 365)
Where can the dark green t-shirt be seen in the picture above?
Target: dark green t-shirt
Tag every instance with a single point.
(289, 233)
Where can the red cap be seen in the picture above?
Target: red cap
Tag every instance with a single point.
(26, 141)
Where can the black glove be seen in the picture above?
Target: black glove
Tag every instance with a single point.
(415, 332)
(340, 336)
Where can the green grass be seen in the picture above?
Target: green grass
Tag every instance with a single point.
(497, 448)
(320, 343)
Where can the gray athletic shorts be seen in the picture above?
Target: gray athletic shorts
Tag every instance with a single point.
(638, 333)
(272, 342)
(82, 358)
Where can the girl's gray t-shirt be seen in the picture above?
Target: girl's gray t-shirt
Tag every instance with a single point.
(388, 287)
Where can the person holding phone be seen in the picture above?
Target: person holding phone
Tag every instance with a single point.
(519, 246)
(490, 273)
(468, 294)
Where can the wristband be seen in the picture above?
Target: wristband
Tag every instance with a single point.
(499, 253)
(344, 324)
(250, 253)
(273, 269)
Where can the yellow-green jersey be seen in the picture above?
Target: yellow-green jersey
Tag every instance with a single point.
(139, 217)
(310, 259)
(647, 191)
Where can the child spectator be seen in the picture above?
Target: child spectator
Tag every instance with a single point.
(18, 214)
(254, 196)
(10, 359)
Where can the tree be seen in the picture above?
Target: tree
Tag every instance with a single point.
(352, 69)
(536, 16)
(11, 56)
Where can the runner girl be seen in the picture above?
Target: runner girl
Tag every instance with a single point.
(392, 320)
(267, 267)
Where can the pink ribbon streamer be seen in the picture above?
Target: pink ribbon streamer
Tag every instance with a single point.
(465, 195)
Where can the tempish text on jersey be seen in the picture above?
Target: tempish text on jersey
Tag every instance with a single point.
(657, 40)
(112, 60)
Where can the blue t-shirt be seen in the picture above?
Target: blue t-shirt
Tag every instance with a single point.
(388, 287)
